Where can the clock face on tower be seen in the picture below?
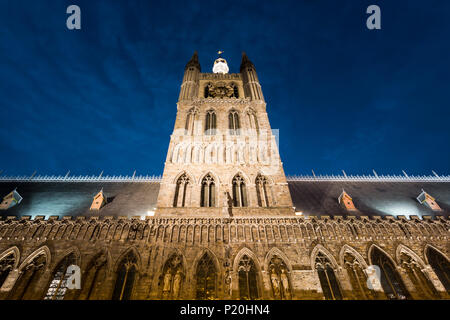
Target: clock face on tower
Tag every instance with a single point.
(220, 90)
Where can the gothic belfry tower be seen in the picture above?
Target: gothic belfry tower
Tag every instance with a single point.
(223, 158)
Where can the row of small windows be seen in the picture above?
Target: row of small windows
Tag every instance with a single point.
(234, 124)
(208, 191)
(249, 283)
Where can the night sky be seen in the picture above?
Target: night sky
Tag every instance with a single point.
(342, 96)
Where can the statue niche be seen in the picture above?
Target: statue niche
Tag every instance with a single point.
(221, 90)
(172, 278)
(279, 279)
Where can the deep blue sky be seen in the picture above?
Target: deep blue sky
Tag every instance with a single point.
(343, 97)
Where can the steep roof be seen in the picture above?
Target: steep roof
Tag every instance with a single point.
(311, 196)
(75, 198)
(370, 198)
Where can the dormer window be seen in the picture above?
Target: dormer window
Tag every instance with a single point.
(99, 201)
(346, 201)
(10, 200)
(427, 200)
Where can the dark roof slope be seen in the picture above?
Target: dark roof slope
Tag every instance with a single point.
(75, 198)
(312, 197)
(370, 197)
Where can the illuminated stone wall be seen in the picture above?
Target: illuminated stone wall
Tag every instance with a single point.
(296, 241)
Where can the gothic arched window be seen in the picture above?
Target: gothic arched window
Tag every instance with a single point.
(278, 273)
(239, 192)
(126, 274)
(358, 278)
(440, 265)
(327, 277)
(424, 287)
(58, 286)
(172, 277)
(208, 192)
(29, 275)
(179, 199)
(248, 284)
(6, 266)
(206, 279)
(262, 191)
(233, 122)
(94, 276)
(210, 123)
(391, 282)
(190, 121)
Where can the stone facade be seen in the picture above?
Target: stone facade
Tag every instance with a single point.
(297, 241)
(225, 226)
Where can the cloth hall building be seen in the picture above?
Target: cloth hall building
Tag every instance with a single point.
(223, 221)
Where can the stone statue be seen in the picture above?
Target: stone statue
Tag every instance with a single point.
(176, 284)
(285, 283)
(275, 284)
(227, 287)
(167, 283)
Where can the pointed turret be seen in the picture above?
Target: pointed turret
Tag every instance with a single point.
(189, 87)
(246, 62)
(194, 62)
(252, 87)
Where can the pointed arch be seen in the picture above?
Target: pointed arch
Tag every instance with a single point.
(94, 276)
(262, 190)
(279, 269)
(182, 188)
(391, 282)
(355, 265)
(190, 120)
(14, 251)
(208, 191)
(320, 248)
(44, 250)
(277, 252)
(234, 124)
(346, 248)
(172, 276)
(401, 248)
(206, 276)
(239, 189)
(9, 260)
(127, 268)
(414, 266)
(30, 271)
(210, 122)
(326, 266)
(246, 266)
(58, 286)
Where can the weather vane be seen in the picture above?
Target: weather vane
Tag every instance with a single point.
(219, 52)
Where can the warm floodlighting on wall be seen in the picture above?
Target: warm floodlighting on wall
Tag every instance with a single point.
(299, 213)
(150, 213)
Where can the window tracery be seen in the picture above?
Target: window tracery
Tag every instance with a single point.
(248, 285)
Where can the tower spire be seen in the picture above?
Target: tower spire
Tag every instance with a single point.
(246, 62)
(194, 62)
